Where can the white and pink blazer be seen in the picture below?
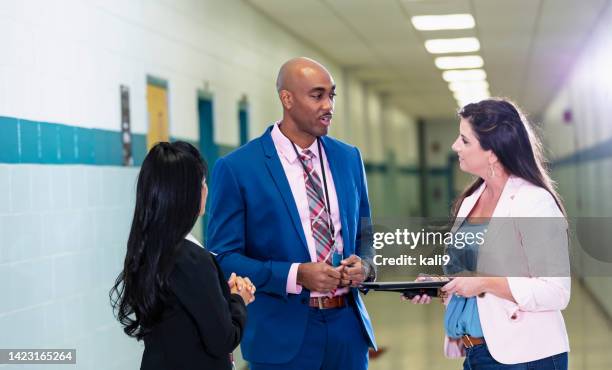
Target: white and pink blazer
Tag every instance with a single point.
(533, 328)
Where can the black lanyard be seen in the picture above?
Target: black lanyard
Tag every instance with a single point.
(330, 224)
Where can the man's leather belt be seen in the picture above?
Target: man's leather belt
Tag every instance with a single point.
(470, 342)
(328, 302)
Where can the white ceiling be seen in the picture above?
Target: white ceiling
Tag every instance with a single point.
(528, 46)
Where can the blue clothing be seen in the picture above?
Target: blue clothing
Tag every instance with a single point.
(461, 315)
(479, 358)
(325, 345)
(462, 318)
(255, 230)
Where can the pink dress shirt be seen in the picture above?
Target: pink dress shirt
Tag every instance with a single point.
(295, 176)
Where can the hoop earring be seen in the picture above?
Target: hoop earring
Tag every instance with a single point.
(491, 171)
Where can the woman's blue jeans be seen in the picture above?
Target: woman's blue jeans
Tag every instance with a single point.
(479, 358)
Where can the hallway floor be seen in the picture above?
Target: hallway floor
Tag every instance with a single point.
(412, 335)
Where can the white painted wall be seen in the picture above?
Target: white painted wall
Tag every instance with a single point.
(587, 93)
(68, 58)
(400, 135)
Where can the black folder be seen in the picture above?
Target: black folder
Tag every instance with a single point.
(409, 289)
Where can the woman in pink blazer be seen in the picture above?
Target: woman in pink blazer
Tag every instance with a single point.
(508, 314)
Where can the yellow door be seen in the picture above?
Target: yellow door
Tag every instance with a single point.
(157, 107)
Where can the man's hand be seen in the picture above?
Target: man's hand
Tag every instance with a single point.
(319, 276)
(354, 273)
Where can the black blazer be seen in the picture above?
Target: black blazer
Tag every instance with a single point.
(202, 322)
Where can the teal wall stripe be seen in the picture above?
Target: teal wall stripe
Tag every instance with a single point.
(596, 152)
(139, 148)
(84, 145)
(26, 141)
(9, 140)
(29, 140)
(47, 142)
(67, 143)
(375, 167)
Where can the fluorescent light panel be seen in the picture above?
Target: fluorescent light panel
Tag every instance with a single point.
(458, 45)
(468, 86)
(464, 75)
(466, 98)
(467, 61)
(443, 22)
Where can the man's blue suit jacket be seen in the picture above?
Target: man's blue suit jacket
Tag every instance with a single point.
(254, 230)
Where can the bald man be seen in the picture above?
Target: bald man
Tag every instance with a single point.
(290, 211)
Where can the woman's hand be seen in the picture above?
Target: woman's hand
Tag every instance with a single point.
(423, 299)
(465, 286)
(243, 287)
(232, 281)
(418, 299)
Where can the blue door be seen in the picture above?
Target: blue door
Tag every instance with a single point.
(208, 148)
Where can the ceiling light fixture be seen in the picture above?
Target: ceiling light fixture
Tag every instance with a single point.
(464, 75)
(468, 61)
(458, 45)
(443, 22)
(467, 98)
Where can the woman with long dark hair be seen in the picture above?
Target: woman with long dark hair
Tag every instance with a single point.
(171, 292)
(506, 314)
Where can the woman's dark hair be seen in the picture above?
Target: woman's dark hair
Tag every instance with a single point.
(500, 127)
(168, 196)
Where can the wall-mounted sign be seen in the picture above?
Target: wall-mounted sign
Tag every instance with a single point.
(126, 133)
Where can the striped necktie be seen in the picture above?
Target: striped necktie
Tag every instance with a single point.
(319, 218)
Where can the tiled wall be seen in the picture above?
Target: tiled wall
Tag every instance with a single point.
(63, 230)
